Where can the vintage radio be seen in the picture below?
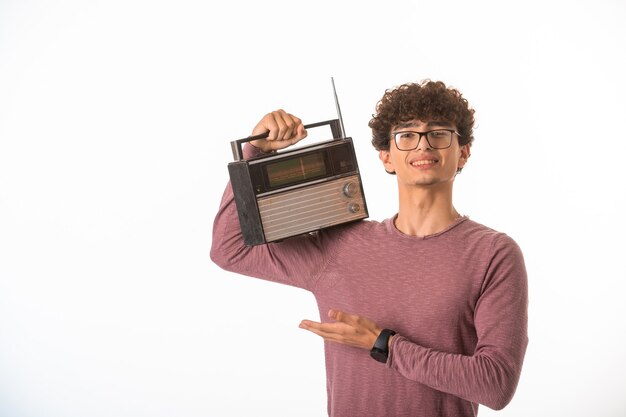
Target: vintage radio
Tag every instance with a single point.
(297, 191)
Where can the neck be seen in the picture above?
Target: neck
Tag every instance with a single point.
(425, 210)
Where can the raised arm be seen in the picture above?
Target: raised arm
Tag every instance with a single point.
(297, 261)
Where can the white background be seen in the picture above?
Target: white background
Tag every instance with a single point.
(115, 123)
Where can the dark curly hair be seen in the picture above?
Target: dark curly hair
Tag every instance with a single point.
(426, 101)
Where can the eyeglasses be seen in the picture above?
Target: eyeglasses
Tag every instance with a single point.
(436, 139)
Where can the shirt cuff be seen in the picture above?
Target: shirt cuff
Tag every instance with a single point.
(251, 151)
(392, 344)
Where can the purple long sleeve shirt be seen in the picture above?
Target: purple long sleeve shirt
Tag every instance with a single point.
(457, 300)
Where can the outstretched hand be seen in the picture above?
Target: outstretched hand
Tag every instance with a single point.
(283, 129)
(348, 329)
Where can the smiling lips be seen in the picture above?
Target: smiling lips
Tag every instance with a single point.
(421, 162)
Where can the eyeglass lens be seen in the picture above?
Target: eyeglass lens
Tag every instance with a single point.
(437, 139)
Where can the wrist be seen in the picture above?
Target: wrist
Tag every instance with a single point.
(251, 151)
(256, 145)
(380, 350)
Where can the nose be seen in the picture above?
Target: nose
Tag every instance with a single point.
(422, 143)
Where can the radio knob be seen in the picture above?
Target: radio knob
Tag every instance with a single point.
(354, 207)
(350, 189)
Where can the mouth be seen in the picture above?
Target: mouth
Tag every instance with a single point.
(423, 162)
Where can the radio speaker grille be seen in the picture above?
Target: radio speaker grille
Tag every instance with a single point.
(311, 208)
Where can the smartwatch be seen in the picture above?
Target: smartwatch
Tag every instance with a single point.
(380, 351)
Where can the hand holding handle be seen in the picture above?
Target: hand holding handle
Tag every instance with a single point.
(236, 145)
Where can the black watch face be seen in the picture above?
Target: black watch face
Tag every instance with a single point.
(379, 354)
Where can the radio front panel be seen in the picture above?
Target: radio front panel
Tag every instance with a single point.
(312, 208)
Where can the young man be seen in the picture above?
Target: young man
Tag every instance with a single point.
(423, 314)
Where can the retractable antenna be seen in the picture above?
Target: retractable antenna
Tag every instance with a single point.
(343, 132)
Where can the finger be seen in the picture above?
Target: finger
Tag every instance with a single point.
(290, 130)
(326, 328)
(343, 317)
(266, 125)
(302, 133)
(299, 131)
(329, 331)
(289, 125)
(308, 325)
(283, 122)
(276, 124)
(334, 332)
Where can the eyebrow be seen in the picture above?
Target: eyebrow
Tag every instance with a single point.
(428, 124)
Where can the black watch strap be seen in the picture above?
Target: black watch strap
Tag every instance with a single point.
(380, 350)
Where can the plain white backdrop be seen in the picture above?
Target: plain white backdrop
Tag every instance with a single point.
(115, 123)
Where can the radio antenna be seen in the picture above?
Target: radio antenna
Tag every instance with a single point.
(343, 132)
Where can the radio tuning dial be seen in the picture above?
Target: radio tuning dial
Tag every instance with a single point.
(350, 189)
(354, 207)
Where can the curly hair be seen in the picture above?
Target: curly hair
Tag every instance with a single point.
(426, 101)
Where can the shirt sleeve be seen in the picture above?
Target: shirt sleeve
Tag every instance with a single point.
(297, 261)
(489, 376)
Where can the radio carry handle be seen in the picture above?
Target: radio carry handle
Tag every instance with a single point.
(335, 127)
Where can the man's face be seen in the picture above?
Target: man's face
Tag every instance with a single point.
(424, 165)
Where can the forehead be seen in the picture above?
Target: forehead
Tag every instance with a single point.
(425, 125)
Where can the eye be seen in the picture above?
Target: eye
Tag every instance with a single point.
(439, 133)
(407, 135)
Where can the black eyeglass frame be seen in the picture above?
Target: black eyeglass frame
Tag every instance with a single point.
(425, 134)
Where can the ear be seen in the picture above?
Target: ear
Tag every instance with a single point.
(465, 154)
(385, 157)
